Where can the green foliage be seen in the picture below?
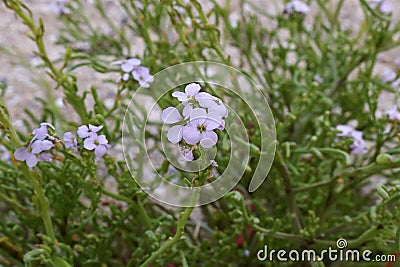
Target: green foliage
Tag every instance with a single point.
(64, 213)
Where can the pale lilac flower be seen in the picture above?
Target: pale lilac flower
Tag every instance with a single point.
(127, 65)
(41, 133)
(98, 143)
(179, 9)
(386, 8)
(318, 78)
(296, 7)
(171, 115)
(191, 90)
(142, 76)
(25, 154)
(388, 75)
(346, 130)
(393, 114)
(4, 154)
(359, 145)
(59, 6)
(84, 131)
(395, 83)
(201, 128)
(246, 252)
(213, 163)
(41, 145)
(70, 140)
(46, 157)
(186, 152)
(214, 104)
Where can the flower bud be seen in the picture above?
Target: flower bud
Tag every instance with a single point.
(384, 159)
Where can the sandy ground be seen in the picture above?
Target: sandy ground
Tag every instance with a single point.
(25, 82)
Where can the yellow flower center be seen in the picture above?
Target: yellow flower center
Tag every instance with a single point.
(201, 128)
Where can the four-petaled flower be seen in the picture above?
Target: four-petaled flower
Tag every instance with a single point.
(42, 132)
(296, 7)
(203, 115)
(84, 131)
(191, 91)
(200, 128)
(98, 143)
(70, 140)
(393, 114)
(359, 145)
(132, 67)
(142, 76)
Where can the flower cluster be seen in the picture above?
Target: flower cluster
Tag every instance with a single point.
(296, 7)
(202, 116)
(358, 146)
(91, 140)
(132, 67)
(389, 76)
(393, 114)
(38, 149)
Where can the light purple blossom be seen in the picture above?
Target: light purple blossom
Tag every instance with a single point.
(70, 140)
(46, 157)
(60, 7)
(386, 8)
(201, 128)
(296, 7)
(388, 75)
(359, 145)
(191, 91)
(171, 115)
(142, 76)
(25, 154)
(98, 143)
(214, 104)
(127, 65)
(186, 152)
(84, 131)
(393, 114)
(42, 132)
(213, 163)
(41, 145)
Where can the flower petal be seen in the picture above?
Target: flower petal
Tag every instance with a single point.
(187, 110)
(94, 128)
(191, 135)
(175, 134)
(198, 113)
(208, 139)
(31, 160)
(100, 150)
(171, 115)
(102, 139)
(20, 153)
(89, 143)
(181, 96)
(192, 89)
(83, 131)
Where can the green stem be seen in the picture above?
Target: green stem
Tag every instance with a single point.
(137, 206)
(42, 200)
(180, 228)
(294, 210)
